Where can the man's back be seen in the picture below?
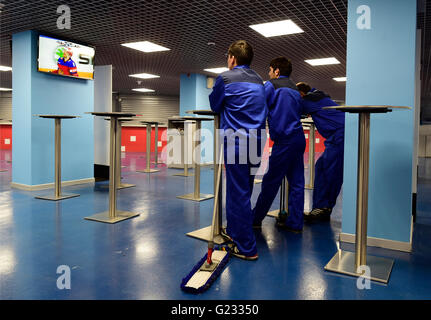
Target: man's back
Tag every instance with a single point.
(239, 97)
(284, 104)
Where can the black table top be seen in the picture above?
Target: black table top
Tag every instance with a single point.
(203, 112)
(120, 119)
(366, 109)
(198, 118)
(150, 122)
(56, 116)
(112, 114)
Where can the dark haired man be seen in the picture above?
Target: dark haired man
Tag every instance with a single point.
(329, 167)
(238, 95)
(287, 156)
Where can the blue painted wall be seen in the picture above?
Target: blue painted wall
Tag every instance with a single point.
(381, 71)
(194, 96)
(40, 93)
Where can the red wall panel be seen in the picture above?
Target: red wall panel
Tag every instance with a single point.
(5, 133)
(140, 134)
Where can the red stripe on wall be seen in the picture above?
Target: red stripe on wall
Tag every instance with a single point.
(5, 133)
(139, 135)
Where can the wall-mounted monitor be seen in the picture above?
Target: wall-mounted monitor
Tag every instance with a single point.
(65, 58)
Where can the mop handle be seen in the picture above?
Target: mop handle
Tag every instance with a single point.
(216, 195)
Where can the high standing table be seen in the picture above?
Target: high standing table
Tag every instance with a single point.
(284, 200)
(311, 148)
(196, 195)
(57, 182)
(185, 148)
(113, 215)
(348, 262)
(2, 170)
(148, 147)
(205, 233)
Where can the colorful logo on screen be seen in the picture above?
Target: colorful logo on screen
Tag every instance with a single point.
(66, 66)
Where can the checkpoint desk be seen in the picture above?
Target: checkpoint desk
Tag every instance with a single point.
(348, 262)
(113, 215)
(148, 146)
(196, 195)
(57, 182)
(205, 233)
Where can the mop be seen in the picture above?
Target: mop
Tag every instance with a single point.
(206, 271)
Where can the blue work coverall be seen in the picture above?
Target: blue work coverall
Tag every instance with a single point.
(287, 156)
(239, 96)
(329, 167)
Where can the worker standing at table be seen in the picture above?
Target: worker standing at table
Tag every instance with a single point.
(238, 95)
(329, 167)
(287, 156)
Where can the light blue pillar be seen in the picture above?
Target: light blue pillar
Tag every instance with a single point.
(40, 93)
(381, 51)
(194, 96)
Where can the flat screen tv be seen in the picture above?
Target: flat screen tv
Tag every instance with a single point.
(65, 58)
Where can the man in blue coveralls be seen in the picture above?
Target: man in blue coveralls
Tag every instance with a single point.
(287, 156)
(238, 95)
(329, 167)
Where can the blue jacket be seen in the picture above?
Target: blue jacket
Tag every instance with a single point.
(327, 121)
(238, 95)
(284, 104)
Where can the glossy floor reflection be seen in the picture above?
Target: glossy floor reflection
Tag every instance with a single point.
(146, 257)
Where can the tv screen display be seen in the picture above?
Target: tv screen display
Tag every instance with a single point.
(65, 58)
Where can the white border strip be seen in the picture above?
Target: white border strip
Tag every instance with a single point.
(378, 242)
(49, 185)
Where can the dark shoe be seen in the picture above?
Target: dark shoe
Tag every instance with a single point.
(318, 214)
(224, 234)
(233, 249)
(283, 226)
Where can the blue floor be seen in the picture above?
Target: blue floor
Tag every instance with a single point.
(146, 257)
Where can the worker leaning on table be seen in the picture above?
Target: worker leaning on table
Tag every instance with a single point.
(239, 96)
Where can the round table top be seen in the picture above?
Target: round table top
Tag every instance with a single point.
(120, 119)
(56, 116)
(366, 108)
(150, 122)
(203, 112)
(112, 114)
(198, 118)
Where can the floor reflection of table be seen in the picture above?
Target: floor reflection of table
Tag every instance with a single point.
(348, 262)
(113, 215)
(58, 195)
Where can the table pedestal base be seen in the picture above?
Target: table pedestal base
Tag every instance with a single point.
(205, 235)
(273, 213)
(119, 216)
(191, 196)
(126, 185)
(148, 170)
(183, 175)
(54, 198)
(344, 262)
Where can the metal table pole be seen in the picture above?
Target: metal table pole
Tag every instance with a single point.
(205, 233)
(185, 151)
(118, 160)
(148, 147)
(311, 151)
(196, 195)
(112, 215)
(284, 201)
(57, 170)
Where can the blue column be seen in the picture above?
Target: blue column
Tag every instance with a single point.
(194, 96)
(381, 50)
(39, 93)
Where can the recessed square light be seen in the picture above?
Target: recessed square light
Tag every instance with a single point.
(143, 90)
(340, 79)
(4, 68)
(144, 76)
(217, 70)
(5, 89)
(145, 46)
(321, 62)
(278, 28)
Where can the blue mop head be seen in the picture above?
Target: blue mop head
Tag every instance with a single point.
(214, 274)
